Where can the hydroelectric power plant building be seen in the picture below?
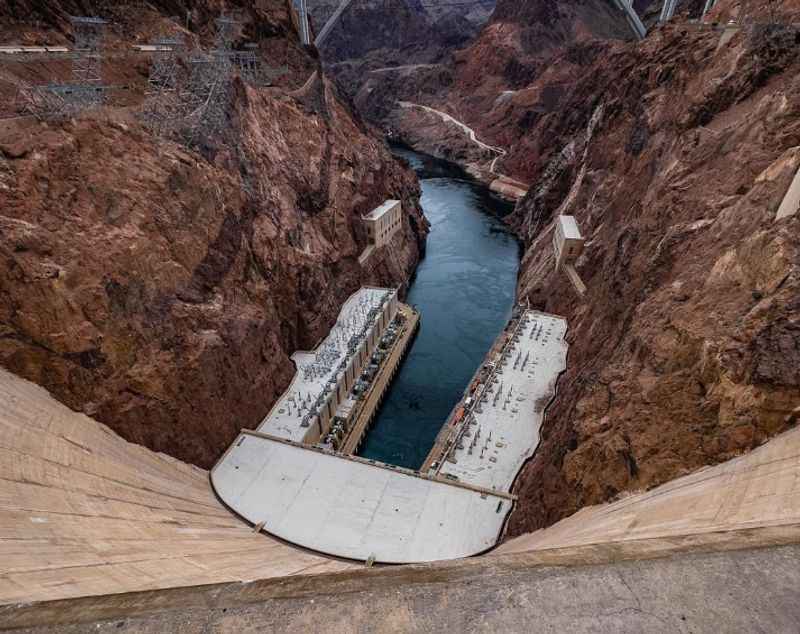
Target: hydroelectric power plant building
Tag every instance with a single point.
(295, 476)
(323, 387)
(383, 222)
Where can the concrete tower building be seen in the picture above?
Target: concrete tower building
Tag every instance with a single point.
(384, 221)
(567, 240)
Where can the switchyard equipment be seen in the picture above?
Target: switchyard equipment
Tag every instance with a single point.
(88, 33)
(322, 389)
(190, 92)
(196, 103)
(187, 91)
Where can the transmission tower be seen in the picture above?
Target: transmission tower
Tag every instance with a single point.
(162, 105)
(166, 65)
(87, 62)
(227, 30)
(85, 89)
(190, 93)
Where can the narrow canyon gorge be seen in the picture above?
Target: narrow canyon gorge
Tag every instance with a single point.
(160, 288)
(287, 290)
(673, 154)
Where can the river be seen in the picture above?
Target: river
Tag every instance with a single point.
(464, 290)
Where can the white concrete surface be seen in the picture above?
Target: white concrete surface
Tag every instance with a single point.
(84, 512)
(381, 210)
(16, 50)
(361, 509)
(333, 364)
(153, 48)
(567, 240)
(791, 202)
(504, 425)
(569, 227)
(354, 509)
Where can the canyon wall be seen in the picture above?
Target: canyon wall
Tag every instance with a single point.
(511, 74)
(161, 287)
(673, 154)
(401, 31)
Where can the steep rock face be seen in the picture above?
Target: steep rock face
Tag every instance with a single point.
(487, 84)
(162, 290)
(403, 29)
(511, 75)
(376, 27)
(685, 351)
(373, 38)
(674, 157)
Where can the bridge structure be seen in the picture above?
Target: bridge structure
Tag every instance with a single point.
(626, 6)
(667, 10)
(302, 10)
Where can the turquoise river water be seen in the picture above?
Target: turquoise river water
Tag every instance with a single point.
(464, 290)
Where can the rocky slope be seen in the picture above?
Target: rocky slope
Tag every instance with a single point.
(685, 351)
(487, 84)
(673, 154)
(161, 288)
(400, 31)
(373, 38)
(513, 72)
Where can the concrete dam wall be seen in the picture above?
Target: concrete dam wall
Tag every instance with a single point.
(88, 519)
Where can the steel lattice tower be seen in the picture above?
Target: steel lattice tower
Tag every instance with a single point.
(190, 93)
(87, 62)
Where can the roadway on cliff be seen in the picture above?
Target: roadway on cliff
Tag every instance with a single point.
(500, 152)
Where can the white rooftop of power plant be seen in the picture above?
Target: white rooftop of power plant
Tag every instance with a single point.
(569, 227)
(351, 508)
(505, 421)
(315, 369)
(379, 211)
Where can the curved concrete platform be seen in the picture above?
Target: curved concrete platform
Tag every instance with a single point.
(350, 507)
(83, 512)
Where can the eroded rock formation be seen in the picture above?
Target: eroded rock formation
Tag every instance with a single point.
(160, 288)
(673, 154)
(374, 32)
(685, 351)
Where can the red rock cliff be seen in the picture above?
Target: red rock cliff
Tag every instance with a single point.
(673, 154)
(162, 290)
(685, 351)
